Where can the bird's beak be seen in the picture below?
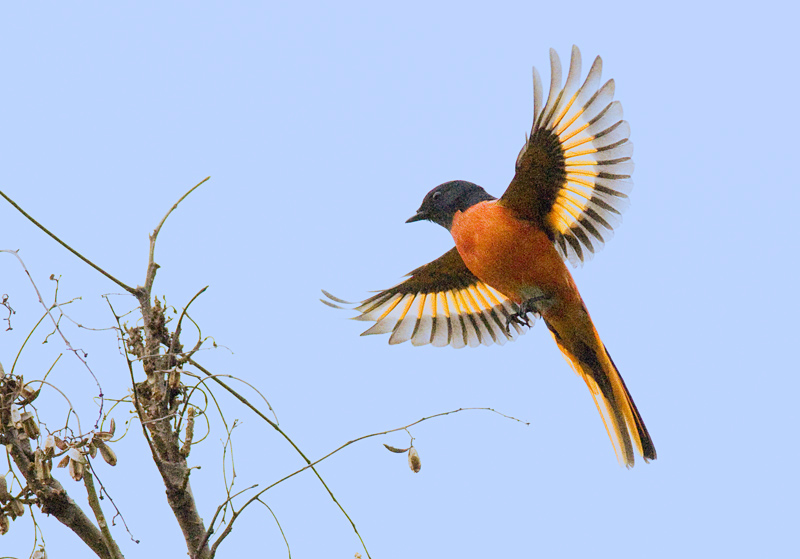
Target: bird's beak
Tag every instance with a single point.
(419, 216)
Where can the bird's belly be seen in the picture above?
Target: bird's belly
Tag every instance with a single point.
(513, 256)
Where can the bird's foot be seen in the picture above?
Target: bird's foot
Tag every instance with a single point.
(521, 316)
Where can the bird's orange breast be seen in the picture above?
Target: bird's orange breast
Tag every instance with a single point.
(512, 255)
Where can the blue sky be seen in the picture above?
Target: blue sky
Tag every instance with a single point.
(322, 127)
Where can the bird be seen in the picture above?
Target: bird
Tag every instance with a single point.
(508, 266)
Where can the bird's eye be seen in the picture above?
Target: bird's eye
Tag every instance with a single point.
(436, 195)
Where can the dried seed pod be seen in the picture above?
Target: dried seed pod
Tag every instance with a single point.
(106, 435)
(30, 426)
(16, 508)
(4, 524)
(107, 454)
(63, 462)
(49, 446)
(397, 450)
(16, 418)
(174, 379)
(101, 436)
(76, 455)
(62, 446)
(28, 396)
(4, 494)
(76, 470)
(92, 448)
(40, 468)
(413, 460)
(187, 444)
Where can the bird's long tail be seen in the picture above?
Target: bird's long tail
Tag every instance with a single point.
(581, 346)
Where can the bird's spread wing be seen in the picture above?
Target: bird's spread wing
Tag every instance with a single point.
(572, 174)
(441, 303)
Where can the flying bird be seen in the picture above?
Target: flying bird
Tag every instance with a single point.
(508, 265)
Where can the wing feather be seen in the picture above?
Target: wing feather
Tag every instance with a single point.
(441, 303)
(573, 173)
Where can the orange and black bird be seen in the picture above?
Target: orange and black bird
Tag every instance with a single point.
(570, 187)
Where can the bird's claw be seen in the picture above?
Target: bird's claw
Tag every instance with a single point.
(521, 316)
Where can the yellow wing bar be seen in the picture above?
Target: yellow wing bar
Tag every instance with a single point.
(573, 173)
(441, 303)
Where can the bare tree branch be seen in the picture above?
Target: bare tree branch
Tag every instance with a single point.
(94, 503)
(66, 246)
(288, 549)
(154, 401)
(150, 276)
(165, 449)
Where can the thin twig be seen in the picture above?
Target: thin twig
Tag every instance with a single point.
(279, 527)
(174, 207)
(229, 444)
(311, 465)
(71, 408)
(75, 322)
(291, 442)
(66, 246)
(151, 265)
(63, 337)
(176, 336)
(94, 503)
(19, 352)
(11, 311)
(103, 491)
(222, 507)
(53, 366)
(229, 527)
(405, 427)
(210, 376)
(187, 403)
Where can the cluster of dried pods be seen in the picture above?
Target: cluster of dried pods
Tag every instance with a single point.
(19, 426)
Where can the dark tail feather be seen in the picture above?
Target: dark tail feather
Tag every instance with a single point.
(621, 418)
(646, 447)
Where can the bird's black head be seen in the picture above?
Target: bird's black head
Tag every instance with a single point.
(442, 203)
